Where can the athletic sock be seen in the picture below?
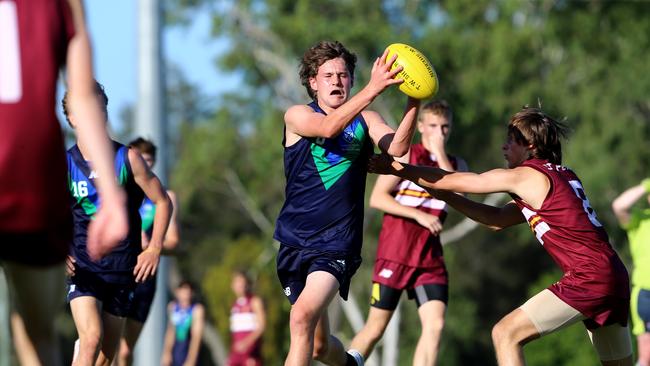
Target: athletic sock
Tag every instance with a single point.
(353, 358)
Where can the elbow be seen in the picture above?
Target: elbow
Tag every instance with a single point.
(171, 242)
(398, 151)
(373, 202)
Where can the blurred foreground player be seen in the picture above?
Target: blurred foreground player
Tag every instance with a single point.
(37, 39)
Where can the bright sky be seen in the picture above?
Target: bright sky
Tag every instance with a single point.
(113, 28)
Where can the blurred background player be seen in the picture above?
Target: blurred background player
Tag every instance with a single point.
(409, 252)
(38, 38)
(247, 323)
(145, 291)
(184, 329)
(100, 292)
(327, 143)
(636, 222)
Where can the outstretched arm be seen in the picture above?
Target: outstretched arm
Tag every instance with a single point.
(110, 224)
(303, 121)
(624, 202)
(382, 199)
(496, 218)
(527, 183)
(394, 143)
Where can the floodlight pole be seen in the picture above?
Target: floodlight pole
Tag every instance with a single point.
(151, 124)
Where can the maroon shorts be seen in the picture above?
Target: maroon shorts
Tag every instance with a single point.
(601, 310)
(403, 277)
(242, 359)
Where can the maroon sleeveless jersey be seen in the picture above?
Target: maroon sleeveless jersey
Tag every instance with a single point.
(34, 36)
(403, 240)
(567, 227)
(243, 322)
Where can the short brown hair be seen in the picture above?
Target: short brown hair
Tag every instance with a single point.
(320, 53)
(144, 146)
(99, 90)
(438, 108)
(533, 126)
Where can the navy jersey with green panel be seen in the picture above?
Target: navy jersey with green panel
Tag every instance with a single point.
(326, 180)
(117, 266)
(147, 213)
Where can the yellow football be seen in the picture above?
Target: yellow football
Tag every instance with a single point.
(420, 79)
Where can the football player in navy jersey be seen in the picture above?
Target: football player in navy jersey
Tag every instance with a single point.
(40, 39)
(145, 291)
(100, 293)
(327, 143)
(550, 198)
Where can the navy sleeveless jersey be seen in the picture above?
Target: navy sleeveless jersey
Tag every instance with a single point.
(147, 213)
(326, 180)
(117, 266)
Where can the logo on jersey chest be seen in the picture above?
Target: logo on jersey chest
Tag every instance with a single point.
(333, 157)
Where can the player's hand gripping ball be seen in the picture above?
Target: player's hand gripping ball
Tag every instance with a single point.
(420, 79)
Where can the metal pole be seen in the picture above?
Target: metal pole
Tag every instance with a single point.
(5, 325)
(151, 124)
(391, 338)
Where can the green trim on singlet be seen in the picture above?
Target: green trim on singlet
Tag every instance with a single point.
(331, 172)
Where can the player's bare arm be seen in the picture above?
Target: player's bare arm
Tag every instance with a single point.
(172, 237)
(529, 184)
(152, 188)
(302, 121)
(110, 224)
(394, 143)
(624, 202)
(496, 218)
(382, 199)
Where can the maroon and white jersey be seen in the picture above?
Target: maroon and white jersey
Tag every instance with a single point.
(243, 322)
(403, 240)
(570, 232)
(34, 36)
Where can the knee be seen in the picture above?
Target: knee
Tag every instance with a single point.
(434, 329)
(501, 333)
(302, 320)
(90, 341)
(321, 347)
(125, 351)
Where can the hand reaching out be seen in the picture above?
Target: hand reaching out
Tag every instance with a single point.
(381, 164)
(381, 76)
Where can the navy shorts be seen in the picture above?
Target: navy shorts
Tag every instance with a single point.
(294, 264)
(116, 298)
(142, 300)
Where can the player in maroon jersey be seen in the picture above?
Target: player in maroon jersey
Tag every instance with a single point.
(409, 252)
(247, 323)
(595, 286)
(37, 39)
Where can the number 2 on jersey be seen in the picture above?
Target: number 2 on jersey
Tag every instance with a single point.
(10, 72)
